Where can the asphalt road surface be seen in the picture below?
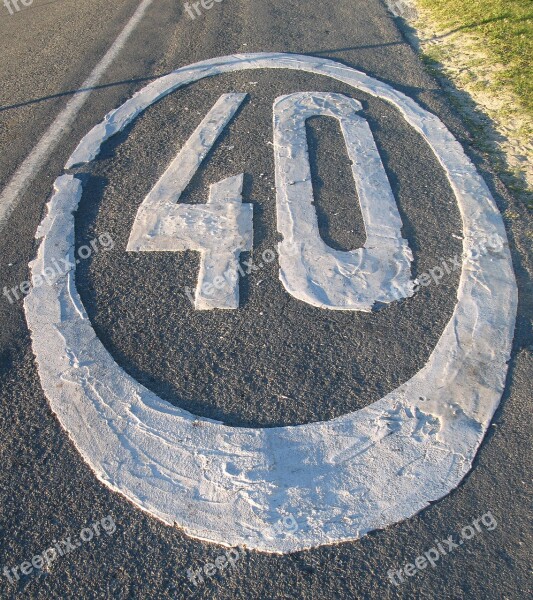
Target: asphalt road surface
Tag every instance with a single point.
(275, 361)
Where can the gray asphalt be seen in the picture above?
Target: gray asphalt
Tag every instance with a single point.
(275, 361)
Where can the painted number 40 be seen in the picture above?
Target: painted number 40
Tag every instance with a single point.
(222, 228)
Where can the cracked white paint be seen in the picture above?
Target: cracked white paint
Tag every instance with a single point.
(220, 229)
(340, 479)
(315, 273)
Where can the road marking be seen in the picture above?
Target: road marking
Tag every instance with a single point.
(220, 229)
(341, 478)
(380, 271)
(27, 171)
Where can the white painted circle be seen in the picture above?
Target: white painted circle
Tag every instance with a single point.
(338, 479)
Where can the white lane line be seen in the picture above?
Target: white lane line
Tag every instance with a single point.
(24, 175)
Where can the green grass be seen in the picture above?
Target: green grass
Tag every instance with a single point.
(506, 29)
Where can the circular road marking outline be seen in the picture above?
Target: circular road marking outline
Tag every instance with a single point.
(339, 479)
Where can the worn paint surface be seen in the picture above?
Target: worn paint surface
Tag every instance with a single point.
(348, 476)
